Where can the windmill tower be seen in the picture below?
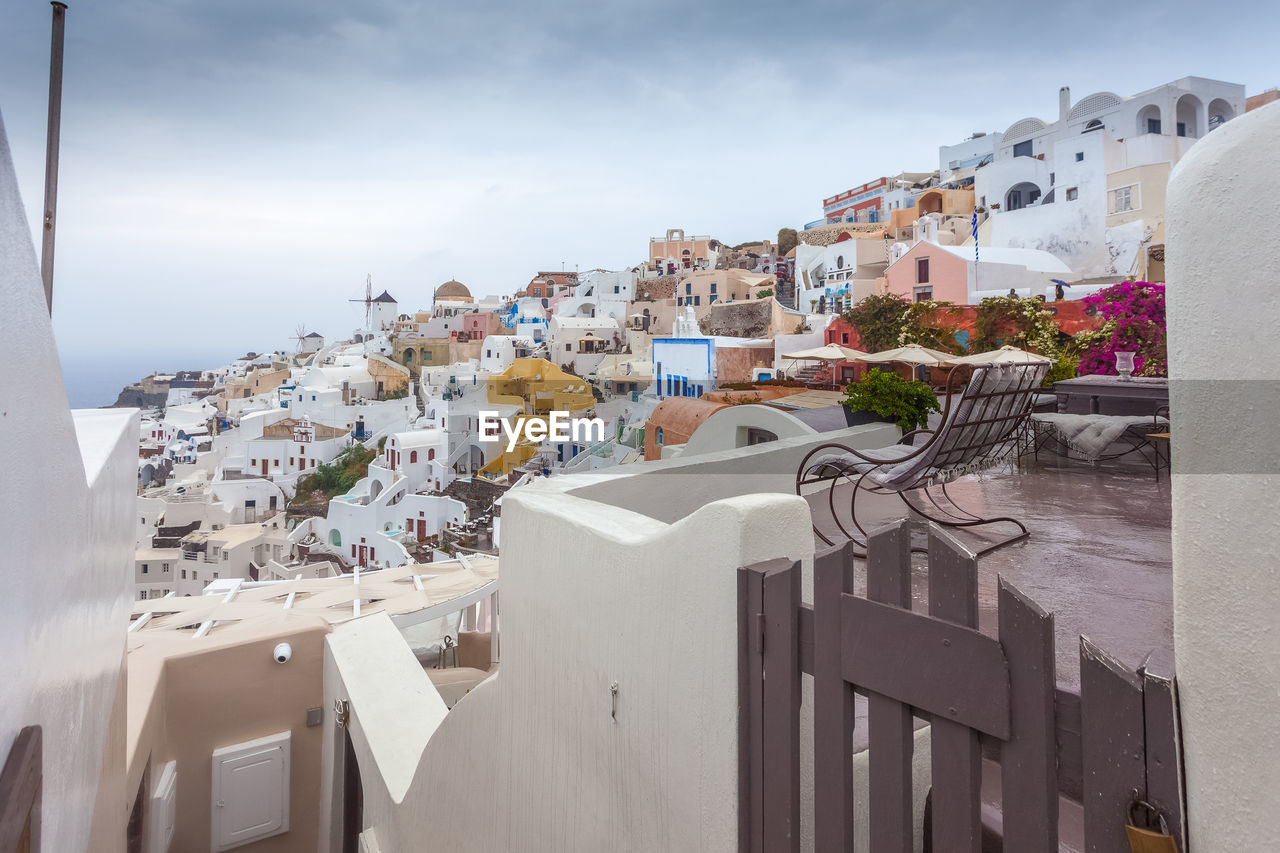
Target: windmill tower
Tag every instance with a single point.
(300, 335)
(368, 301)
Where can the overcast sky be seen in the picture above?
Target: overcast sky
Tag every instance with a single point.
(232, 169)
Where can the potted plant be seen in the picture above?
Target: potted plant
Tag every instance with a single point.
(883, 396)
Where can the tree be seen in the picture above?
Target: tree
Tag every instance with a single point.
(786, 240)
(886, 321)
(1012, 320)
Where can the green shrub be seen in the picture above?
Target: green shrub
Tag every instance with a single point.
(886, 321)
(888, 395)
(1064, 368)
(339, 476)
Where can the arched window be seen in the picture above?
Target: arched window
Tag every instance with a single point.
(1095, 124)
(1220, 112)
(431, 453)
(413, 456)
(408, 356)
(335, 538)
(839, 262)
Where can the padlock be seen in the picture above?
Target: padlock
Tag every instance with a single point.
(1149, 839)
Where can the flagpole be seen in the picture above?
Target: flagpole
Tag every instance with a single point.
(974, 229)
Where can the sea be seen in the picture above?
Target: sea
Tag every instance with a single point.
(96, 379)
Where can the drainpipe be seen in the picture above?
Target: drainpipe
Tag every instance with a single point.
(51, 150)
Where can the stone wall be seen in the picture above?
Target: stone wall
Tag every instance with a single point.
(752, 319)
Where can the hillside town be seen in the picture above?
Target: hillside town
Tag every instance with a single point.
(240, 465)
(382, 593)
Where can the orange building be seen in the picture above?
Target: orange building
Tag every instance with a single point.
(678, 252)
(546, 285)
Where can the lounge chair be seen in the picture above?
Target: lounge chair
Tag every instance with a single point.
(980, 425)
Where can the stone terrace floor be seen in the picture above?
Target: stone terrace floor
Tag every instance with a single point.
(1099, 556)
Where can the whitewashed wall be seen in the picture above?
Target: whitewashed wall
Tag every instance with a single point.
(534, 758)
(67, 596)
(1224, 358)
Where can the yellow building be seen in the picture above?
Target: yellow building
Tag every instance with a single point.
(537, 387)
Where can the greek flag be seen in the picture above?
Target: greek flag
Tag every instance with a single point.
(974, 228)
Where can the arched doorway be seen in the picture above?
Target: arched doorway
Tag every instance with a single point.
(1188, 115)
(929, 202)
(1149, 119)
(1021, 195)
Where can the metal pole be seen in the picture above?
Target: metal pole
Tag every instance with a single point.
(51, 151)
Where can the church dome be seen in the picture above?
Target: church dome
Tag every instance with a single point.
(453, 289)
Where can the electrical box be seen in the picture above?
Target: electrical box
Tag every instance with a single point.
(250, 791)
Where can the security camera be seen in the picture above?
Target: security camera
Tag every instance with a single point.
(282, 653)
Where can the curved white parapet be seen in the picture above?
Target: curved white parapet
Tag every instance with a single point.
(544, 753)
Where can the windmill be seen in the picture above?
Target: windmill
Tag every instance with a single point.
(300, 335)
(368, 301)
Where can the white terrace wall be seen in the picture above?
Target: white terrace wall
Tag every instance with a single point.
(1224, 358)
(534, 758)
(67, 587)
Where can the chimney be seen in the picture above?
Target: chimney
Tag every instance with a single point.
(1064, 102)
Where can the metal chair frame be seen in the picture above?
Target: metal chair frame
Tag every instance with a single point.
(986, 432)
(1134, 436)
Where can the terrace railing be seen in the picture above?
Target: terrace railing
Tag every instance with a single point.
(992, 703)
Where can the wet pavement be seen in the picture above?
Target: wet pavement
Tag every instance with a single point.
(1099, 556)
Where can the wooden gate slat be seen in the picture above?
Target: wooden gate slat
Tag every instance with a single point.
(918, 661)
(957, 755)
(888, 720)
(782, 707)
(1113, 757)
(833, 714)
(750, 712)
(1028, 767)
(1164, 758)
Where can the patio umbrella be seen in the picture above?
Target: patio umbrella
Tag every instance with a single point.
(1004, 355)
(831, 352)
(910, 354)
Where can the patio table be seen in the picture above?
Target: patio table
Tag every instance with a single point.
(1138, 395)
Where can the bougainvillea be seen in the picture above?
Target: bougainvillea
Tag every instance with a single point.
(1133, 321)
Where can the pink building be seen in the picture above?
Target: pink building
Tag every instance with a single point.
(949, 273)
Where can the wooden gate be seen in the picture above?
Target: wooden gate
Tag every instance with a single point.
(992, 703)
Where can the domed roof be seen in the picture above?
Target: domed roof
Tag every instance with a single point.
(453, 289)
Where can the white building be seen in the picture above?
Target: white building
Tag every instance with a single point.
(958, 163)
(1089, 187)
(294, 446)
(684, 366)
(498, 352)
(420, 455)
(579, 343)
(370, 525)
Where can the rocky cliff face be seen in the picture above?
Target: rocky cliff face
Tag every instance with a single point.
(739, 319)
(137, 396)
